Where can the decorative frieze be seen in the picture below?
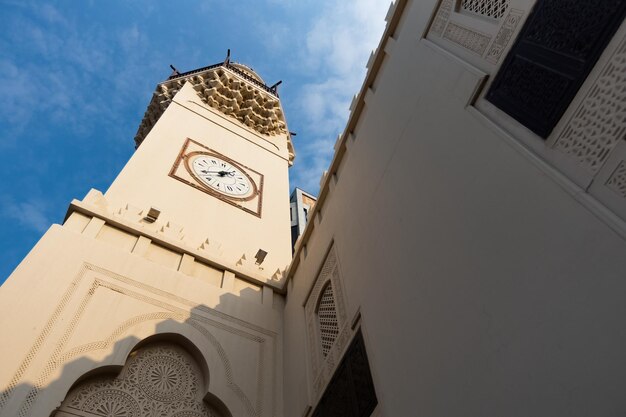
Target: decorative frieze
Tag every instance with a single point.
(441, 18)
(467, 38)
(504, 36)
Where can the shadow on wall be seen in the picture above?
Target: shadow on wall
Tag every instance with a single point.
(165, 367)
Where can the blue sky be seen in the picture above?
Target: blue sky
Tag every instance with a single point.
(76, 77)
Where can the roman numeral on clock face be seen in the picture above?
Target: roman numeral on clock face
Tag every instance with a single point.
(221, 176)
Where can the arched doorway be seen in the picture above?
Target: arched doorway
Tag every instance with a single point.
(159, 379)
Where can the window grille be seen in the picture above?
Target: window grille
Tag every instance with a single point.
(556, 49)
(327, 318)
(493, 9)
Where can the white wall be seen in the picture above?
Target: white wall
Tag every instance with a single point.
(485, 284)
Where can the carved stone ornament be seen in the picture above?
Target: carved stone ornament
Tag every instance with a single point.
(599, 122)
(469, 39)
(493, 9)
(441, 18)
(229, 90)
(158, 380)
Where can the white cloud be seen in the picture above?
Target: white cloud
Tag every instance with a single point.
(337, 47)
(73, 77)
(30, 214)
(48, 12)
(130, 38)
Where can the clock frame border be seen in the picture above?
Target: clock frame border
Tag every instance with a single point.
(255, 190)
(234, 201)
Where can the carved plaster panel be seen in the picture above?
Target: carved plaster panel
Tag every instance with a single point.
(467, 38)
(484, 28)
(441, 18)
(600, 120)
(157, 380)
(325, 354)
(502, 39)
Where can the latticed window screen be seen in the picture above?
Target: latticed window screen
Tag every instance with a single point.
(551, 58)
(494, 9)
(327, 317)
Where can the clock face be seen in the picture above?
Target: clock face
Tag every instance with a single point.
(221, 175)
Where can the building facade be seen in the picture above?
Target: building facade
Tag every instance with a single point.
(471, 222)
(465, 255)
(301, 203)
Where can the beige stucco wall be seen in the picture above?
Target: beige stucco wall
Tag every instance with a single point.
(486, 281)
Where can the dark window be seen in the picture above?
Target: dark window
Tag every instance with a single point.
(553, 54)
(294, 236)
(350, 392)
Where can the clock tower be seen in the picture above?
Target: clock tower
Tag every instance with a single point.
(213, 150)
(163, 295)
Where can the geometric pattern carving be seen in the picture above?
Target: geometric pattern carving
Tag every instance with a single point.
(326, 348)
(157, 380)
(227, 89)
(223, 91)
(467, 38)
(327, 316)
(617, 180)
(551, 58)
(494, 9)
(111, 402)
(600, 120)
(350, 392)
(504, 36)
(441, 18)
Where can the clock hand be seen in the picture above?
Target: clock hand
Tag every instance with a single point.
(219, 173)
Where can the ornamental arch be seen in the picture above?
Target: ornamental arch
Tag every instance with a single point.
(162, 376)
